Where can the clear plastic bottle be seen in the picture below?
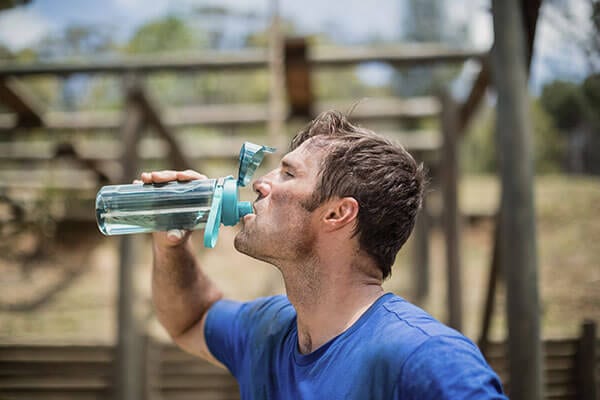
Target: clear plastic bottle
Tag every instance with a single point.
(199, 204)
(140, 208)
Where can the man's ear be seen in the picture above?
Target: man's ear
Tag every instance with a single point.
(340, 212)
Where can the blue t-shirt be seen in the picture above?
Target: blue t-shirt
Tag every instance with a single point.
(394, 351)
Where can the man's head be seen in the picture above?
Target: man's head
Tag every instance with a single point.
(384, 179)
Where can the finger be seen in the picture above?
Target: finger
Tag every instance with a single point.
(164, 176)
(146, 177)
(189, 175)
(137, 181)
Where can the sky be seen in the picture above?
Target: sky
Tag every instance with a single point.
(355, 21)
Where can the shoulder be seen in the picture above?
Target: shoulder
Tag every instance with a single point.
(405, 325)
(448, 367)
(277, 307)
(429, 355)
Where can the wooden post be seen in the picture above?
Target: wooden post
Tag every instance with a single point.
(488, 310)
(421, 255)
(451, 213)
(586, 363)
(128, 357)
(297, 78)
(276, 123)
(518, 244)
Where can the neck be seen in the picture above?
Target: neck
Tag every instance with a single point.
(328, 299)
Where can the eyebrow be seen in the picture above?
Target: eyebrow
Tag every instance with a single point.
(287, 164)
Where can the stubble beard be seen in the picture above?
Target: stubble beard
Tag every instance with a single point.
(286, 246)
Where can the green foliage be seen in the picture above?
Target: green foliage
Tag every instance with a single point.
(165, 34)
(479, 152)
(564, 101)
(591, 95)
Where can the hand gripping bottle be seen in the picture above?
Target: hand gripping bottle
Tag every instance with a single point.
(141, 208)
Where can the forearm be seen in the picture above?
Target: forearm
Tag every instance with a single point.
(181, 291)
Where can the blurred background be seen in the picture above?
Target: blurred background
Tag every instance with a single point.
(92, 93)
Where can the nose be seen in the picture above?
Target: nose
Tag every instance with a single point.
(262, 186)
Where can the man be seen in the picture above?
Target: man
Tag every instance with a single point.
(331, 218)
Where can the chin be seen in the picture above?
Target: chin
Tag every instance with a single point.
(244, 245)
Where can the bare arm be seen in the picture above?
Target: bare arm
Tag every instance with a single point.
(181, 292)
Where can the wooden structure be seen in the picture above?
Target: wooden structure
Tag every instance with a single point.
(572, 371)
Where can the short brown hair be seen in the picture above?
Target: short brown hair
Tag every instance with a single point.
(382, 176)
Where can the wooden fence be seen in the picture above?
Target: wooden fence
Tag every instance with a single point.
(572, 371)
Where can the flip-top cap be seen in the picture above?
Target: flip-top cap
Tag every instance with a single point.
(251, 155)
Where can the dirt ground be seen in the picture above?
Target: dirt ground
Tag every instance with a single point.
(67, 292)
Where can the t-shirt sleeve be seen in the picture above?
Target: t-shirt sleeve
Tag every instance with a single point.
(446, 367)
(232, 326)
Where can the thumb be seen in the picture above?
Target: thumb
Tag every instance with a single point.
(175, 235)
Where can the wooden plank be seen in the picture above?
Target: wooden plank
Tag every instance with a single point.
(53, 383)
(205, 61)
(197, 382)
(398, 55)
(153, 149)
(67, 353)
(54, 395)
(385, 108)
(195, 395)
(54, 368)
(233, 115)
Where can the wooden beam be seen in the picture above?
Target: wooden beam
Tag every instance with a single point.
(15, 96)
(396, 55)
(468, 108)
(385, 108)
(234, 114)
(493, 277)
(518, 252)
(102, 150)
(177, 157)
(404, 55)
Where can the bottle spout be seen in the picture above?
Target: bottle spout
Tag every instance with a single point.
(244, 208)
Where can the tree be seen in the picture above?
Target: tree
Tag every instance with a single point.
(575, 111)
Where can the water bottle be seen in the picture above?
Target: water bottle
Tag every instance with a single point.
(199, 204)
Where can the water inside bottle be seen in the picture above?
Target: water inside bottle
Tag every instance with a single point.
(126, 210)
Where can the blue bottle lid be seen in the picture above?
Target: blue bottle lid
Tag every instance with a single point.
(225, 207)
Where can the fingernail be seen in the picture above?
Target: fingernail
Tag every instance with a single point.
(175, 234)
